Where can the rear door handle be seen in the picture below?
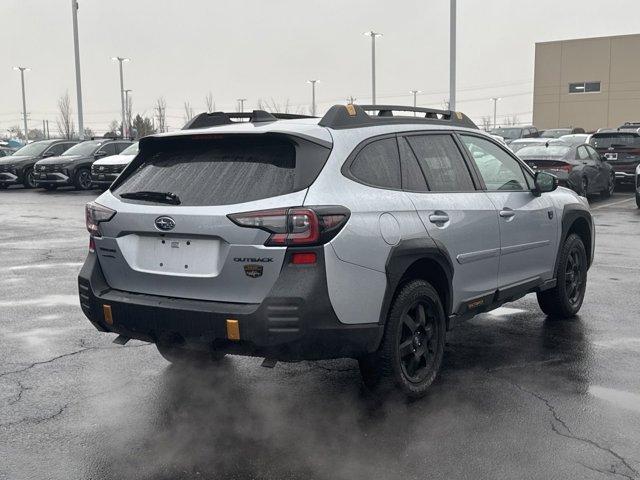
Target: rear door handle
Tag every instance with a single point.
(439, 217)
(507, 213)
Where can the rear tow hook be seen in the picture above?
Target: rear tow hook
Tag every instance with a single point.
(121, 340)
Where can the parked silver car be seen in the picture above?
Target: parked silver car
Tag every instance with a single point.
(363, 234)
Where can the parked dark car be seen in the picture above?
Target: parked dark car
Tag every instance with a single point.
(74, 166)
(578, 167)
(632, 126)
(559, 132)
(18, 168)
(512, 133)
(621, 148)
(106, 170)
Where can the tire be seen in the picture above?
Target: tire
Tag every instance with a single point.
(607, 192)
(82, 179)
(50, 188)
(565, 299)
(584, 187)
(412, 347)
(29, 179)
(180, 355)
(638, 199)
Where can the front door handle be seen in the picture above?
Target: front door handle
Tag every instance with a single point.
(507, 213)
(439, 217)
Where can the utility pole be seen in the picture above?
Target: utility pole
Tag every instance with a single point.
(495, 110)
(120, 60)
(48, 132)
(415, 101)
(44, 129)
(452, 56)
(241, 104)
(127, 110)
(24, 102)
(373, 36)
(76, 46)
(313, 96)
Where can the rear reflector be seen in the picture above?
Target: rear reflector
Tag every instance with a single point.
(233, 329)
(306, 258)
(108, 316)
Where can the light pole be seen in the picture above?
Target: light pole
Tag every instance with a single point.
(373, 36)
(415, 101)
(120, 60)
(495, 109)
(127, 109)
(452, 56)
(313, 96)
(241, 104)
(76, 46)
(24, 102)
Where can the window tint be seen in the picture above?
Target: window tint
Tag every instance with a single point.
(412, 177)
(442, 163)
(58, 149)
(108, 149)
(227, 171)
(498, 169)
(378, 164)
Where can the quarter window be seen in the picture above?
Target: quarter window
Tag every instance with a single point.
(442, 163)
(499, 170)
(378, 164)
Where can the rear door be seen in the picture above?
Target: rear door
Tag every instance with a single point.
(455, 213)
(193, 250)
(527, 224)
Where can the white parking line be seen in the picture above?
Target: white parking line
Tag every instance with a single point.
(612, 204)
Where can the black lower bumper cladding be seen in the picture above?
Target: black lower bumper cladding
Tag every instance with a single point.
(295, 321)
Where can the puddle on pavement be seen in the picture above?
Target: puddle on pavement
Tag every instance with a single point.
(620, 398)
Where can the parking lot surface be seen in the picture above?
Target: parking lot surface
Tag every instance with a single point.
(518, 396)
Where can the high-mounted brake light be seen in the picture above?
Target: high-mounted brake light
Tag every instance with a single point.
(296, 225)
(95, 214)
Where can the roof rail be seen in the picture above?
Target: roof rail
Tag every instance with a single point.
(355, 116)
(215, 119)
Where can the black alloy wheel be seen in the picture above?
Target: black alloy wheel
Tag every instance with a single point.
(416, 341)
(83, 179)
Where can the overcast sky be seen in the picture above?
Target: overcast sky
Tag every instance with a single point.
(182, 49)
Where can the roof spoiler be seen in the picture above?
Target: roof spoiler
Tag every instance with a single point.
(215, 119)
(355, 116)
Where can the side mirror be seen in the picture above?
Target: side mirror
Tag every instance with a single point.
(544, 182)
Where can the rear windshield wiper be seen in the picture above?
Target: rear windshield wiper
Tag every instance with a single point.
(160, 197)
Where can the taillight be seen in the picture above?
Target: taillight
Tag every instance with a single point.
(296, 225)
(95, 214)
(567, 168)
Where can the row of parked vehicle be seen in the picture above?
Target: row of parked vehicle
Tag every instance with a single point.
(588, 163)
(55, 163)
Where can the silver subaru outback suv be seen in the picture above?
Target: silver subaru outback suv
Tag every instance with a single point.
(366, 234)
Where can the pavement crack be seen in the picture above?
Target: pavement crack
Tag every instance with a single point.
(18, 396)
(37, 420)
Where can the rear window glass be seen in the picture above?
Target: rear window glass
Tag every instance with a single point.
(540, 151)
(613, 139)
(221, 172)
(378, 164)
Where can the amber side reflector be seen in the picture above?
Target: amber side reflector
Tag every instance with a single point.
(108, 316)
(233, 329)
(351, 110)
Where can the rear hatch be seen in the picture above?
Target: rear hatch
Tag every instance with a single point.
(191, 249)
(550, 157)
(621, 149)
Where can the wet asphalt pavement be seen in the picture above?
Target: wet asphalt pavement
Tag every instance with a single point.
(518, 396)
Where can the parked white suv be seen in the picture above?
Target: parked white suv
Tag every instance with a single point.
(362, 234)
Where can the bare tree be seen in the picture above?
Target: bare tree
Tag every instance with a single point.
(161, 114)
(188, 111)
(210, 103)
(65, 117)
(511, 120)
(486, 122)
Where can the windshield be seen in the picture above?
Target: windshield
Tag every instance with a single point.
(33, 149)
(131, 149)
(555, 132)
(540, 151)
(84, 148)
(509, 133)
(610, 139)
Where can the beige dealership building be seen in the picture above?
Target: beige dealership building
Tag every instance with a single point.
(588, 83)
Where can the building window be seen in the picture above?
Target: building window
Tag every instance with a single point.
(584, 87)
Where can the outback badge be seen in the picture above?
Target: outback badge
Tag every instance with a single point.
(252, 270)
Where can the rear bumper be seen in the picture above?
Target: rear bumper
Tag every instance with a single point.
(295, 322)
(625, 176)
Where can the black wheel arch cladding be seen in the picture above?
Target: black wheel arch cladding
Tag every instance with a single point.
(576, 219)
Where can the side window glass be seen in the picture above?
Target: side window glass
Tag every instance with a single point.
(121, 146)
(55, 150)
(108, 149)
(412, 177)
(595, 156)
(442, 163)
(583, 154)
(378, 164)
(499, 170)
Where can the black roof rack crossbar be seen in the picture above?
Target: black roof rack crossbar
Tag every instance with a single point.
(355, 116)
(215, 119)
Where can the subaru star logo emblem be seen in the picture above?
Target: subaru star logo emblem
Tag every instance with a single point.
(165, 223)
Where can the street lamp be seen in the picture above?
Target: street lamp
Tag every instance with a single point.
(120, 60)
(76, 47)
(241, 104)
(127, 109)
(373, 36)
(313, 96)
(452, 55)
(495, 109)
(24, 102)
(415, 102)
